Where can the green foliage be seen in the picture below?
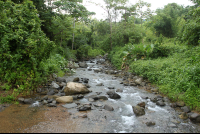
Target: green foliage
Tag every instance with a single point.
(178, 76)
(95, 52)
(82, 51)
(23, 45)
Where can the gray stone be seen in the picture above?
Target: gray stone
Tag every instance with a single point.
(160, 103)
(100, 84)
(76, 79)
(153, 99)
(72, 105)
(44, 102)
(52, 105)
(54, 85)
(97, 70)
(84, 108)
(91, 99)
(180, 104)
(28, 101)
(60, 79)
(195, 118)
(54, 101)
(150, 123)
(85, 80)
(172, 125)
(45, 97)
(142, 104)
(119, 90)
(82, 65)
(113, 95)
(186, 109)
(138, 81)
(21, 100)
(103, 97)
(51, 92)
(139, 111)
(173, 105)
(108, 108)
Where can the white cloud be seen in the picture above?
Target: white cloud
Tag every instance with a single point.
(101, 13)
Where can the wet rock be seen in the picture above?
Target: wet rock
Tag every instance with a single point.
(139, 111)
(150, 123)
(119, 90)
(138, 81)
(96, 70)
(85, 80)
(113, 95)
(153, 99)
(52, 105)
(72, 105)
(62, 84)
(89, 69)
(90, 100)
(51, 92)
(111, 87)
(94, 97)
(84, 108)
(82, 65)
(103, 97)
(76, 79)
(186, 109)
(98, 93)
(21, 100)
(87, 85)
(74, 97)
(28, 101)
(54, 85)
(160, 103)
(75, 88)
(98, 105)
(108, 108)
(83, 116)
(142, 104)
(64, 99)
(183, 116)
(165, 99)
(80, 96)
(180, 104)
(172, 125)
(173, 105)
(144, 97)
(60, 79)
(44, 102)
(100, 84)
(45, 97)
(50, 100)
(143, 84)
(175, 121)
(194, 117)
(55, 96)
(54, 101)
(133, 84)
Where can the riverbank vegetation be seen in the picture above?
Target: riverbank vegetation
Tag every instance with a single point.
(38, 38)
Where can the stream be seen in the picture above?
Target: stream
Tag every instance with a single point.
(38, 118)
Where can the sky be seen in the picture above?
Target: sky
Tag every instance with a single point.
(101, 14)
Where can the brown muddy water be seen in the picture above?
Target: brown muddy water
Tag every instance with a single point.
(22, 118)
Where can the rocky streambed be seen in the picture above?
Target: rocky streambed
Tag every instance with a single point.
(98, 98)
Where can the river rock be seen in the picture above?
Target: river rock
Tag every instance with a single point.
(100, 84)
(111, 87)
(84, 108)
(180, 104)
(45, 97)
(51, 92)
(173, 105)
(96, 70)
(76, 79)
(150, 123)
(80, 96)
(186, 109)
(139, 111)
(82, 65)
(52, 105)
(87, 85)
(60, 79)
(72, 105)
(160, 103)
(75, 88)
(103, 97)
(119, 90)
(113, 95)
(44, 102)
(21, 100)
(28, 101)
(54, 85)
(64, 99)
(142, 104)
(138, 81)
(62, 84)
(194, 117)
(108, 108)
(183, 116)
(85, 80)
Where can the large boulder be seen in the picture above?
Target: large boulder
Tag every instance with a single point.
(82, 64)
(75, 88)
(64, 99)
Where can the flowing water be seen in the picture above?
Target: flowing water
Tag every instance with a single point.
(37, 119)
